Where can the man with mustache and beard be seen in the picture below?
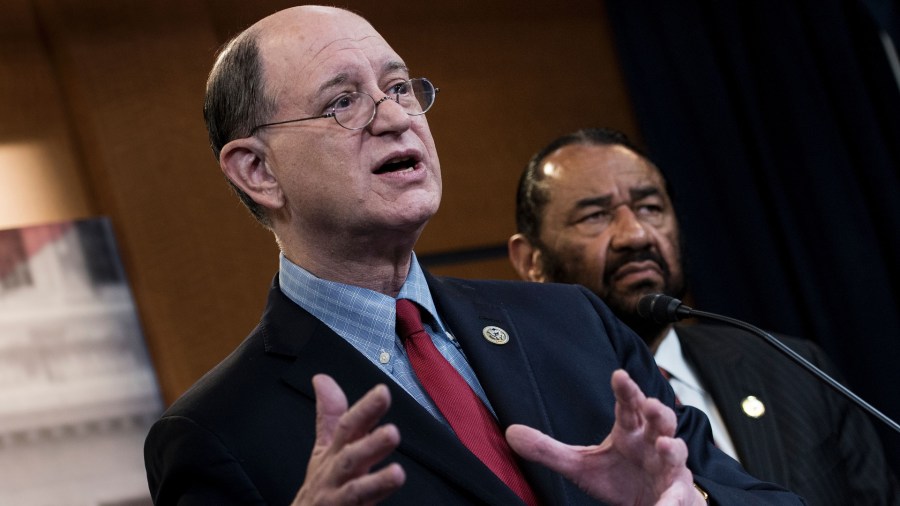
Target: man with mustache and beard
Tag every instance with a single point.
(592, 209)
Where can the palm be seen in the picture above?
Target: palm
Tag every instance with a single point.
(639, 462)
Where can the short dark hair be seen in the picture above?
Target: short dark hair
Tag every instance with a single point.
(236, 101)
(531, 197)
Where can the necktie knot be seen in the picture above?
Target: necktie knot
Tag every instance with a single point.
(409, 320)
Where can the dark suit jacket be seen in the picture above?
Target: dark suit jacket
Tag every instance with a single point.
(244, 432)
(810, 439)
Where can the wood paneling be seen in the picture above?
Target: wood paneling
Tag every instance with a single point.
(120, 85)
(40, 178)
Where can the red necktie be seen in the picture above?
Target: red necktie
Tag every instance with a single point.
(468, 416)
(666, 374)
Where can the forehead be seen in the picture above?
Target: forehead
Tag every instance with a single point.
(312, 46)
(588, 169)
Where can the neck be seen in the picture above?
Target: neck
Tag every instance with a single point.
(380, 266)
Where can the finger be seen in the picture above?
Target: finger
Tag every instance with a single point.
(331, 404)
(366, 489)
(363, 416)
(661, 420)
(361, 455)
(673, 451)
(629, 401)
(536, 446)
(374, 487)
(677, 485)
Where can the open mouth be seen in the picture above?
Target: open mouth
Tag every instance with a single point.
(406, 163)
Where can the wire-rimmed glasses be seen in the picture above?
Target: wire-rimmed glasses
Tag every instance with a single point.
(355, 110)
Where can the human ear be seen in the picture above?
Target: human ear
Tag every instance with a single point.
(525, 258)
(243, 161)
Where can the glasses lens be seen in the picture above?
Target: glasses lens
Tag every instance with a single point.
(354, 110)
(418, 97)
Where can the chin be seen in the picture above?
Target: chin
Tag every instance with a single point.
(424, 209)
(629, 299)
(412, 221)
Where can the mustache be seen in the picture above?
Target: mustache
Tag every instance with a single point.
(635, 256)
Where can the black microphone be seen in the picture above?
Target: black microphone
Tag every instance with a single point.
(661, 308)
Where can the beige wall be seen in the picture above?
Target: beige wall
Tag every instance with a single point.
(100, 115)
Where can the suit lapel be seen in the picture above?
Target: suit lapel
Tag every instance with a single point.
(290, 330)
(502, 369)
(715, 357)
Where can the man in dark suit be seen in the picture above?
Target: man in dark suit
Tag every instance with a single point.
(318, 126)
(593, 210)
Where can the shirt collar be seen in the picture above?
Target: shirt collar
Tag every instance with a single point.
(326, 299)
(669, 356)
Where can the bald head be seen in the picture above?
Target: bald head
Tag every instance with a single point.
(237, 97)
(295, 37)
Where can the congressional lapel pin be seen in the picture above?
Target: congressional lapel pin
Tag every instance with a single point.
(495, 335)
(753, 407)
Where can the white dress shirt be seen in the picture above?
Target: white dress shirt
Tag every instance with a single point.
(688, 390)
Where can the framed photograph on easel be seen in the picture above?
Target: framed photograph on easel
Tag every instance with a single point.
(77, 389)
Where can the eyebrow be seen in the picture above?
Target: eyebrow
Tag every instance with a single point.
(638, 193)
(603, 201)
(395, 65)
(334, 81)
(343, 77)
(644, 192)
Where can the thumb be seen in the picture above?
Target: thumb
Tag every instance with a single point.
(534, 445)
(331, 403)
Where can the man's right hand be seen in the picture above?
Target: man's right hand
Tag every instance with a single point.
(347, 445)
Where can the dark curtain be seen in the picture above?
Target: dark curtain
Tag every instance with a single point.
(778, 125)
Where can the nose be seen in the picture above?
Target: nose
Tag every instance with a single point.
(627, 230)
(389, 117)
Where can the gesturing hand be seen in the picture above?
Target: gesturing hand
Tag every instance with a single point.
(639, 463)
(347, 447)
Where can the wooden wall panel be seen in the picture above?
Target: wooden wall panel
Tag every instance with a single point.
(134, 74)
(40, 175)
(130, 75)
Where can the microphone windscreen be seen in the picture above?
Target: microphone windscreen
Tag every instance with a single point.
(659, 308)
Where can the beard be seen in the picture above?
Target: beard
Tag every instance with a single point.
(623, 303)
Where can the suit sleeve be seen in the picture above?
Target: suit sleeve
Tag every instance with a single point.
(720, 475)
(187, 465)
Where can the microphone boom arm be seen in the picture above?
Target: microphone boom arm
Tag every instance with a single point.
(806, 364)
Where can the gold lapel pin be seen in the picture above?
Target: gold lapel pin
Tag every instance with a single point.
(495, 335)
(753, 407)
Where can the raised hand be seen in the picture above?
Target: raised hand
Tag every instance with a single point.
(639, 463)
(347, 445)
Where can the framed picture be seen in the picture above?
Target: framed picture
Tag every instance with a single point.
(77, 390)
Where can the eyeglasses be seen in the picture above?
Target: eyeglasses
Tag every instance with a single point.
(354, 111)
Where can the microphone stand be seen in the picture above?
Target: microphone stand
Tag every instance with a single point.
(687, 311)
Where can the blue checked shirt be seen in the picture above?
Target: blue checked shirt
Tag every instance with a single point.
(367, 320)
